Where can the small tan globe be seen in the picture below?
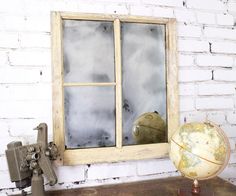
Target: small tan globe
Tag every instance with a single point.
(199, 150)
(149, 128)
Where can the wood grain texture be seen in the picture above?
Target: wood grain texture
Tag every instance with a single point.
(57, 88)
(172, 78)
(89, 84)
(118, 83)
(114, 154)
(160, 187)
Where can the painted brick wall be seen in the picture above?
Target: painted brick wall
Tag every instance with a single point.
(207, 77)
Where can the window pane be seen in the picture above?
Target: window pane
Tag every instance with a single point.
(144, 78)
(88, 51)
(89, 117)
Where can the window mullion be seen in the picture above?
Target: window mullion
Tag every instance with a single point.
(118, 83)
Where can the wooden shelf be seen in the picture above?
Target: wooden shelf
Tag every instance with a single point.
(160, 187)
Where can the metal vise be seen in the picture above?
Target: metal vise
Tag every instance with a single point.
(27, 163)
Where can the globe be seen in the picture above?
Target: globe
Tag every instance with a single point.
(199, 150)
(149, 128)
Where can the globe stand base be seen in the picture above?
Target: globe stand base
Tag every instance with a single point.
(195, 191)
(188, 192)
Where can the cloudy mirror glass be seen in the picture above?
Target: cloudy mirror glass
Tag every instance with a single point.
(143, 83)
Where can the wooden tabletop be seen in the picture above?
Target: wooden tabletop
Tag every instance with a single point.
(160, 187)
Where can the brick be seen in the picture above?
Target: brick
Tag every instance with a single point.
(196, 116)
(214, 60)
(4, 128)
(232, 144)
(12, 6)
(225, 19)
(194, 75)
(209, 103)
(3, 58)
(9, 40)
(232, 158)
(221, 33)
(3, 165)
(232, 6)
(186, 60)
(163, 12)
(185, 16)
(39, 23)
(35, 40)
(216, 117)
(228, 172)
(208, 5)
(216, 89)
(116, 9)
(70, 174)
(223, 47)
(187, 104)
(189, 31)
(25, 92)
(29, 23)
(114, 1)
(230, 130)
(141, 10)
(4, 141)
(186, 89)
(193, 46)
(41, 8)
(24, 127)
(12, 22)
(169, 3)
(91, 8)
(105, 171)
(22, 75)
(205, 18)
(30, 57)
(44, 7)
(225, 75)
(25, 109)
(231, 117)
(148, 167)
(5, 180)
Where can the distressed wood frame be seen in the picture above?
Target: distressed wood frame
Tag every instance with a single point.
(119, 152)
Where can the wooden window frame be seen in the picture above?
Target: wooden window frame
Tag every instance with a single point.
(119, 152)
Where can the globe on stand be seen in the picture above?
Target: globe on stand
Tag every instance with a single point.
(199, 151)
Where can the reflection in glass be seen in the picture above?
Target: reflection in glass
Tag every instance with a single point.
(89, 117)
(88, 51)
(144, 78)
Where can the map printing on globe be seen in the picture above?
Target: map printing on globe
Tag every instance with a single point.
(199, 150)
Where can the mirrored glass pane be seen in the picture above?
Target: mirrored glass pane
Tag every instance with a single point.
(88, 51)
(89, 117)
(144, 83)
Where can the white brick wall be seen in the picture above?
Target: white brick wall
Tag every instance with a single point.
(154, 167)
(186, 60)
(225, 19)
(104, 171)
(227, 47)
(194, 75)
(189, 31)
(205, 18)
(209, 103)
(220, 33)
(193, 46)
(215, 60)
(216, 89)
(206, 38)
(225, 75)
